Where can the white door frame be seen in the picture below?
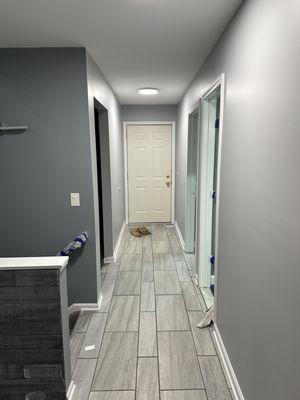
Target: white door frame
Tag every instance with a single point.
(188, 237)
(202, 265)
(172, 123)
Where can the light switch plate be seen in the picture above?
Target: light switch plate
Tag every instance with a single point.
(75, 199)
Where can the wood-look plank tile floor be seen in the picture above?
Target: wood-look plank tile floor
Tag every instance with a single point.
(143, 343)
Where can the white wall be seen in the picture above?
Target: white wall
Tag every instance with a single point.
(259, 256)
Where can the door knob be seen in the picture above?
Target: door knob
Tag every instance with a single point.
(168, 180)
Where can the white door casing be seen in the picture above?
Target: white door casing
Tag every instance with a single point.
(149, 160)
(206, 176)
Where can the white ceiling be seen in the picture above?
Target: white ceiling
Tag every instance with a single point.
(136, 43)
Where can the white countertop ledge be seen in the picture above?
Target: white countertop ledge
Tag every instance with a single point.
(34, 263)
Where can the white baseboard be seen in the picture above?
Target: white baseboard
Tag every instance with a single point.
(96, 306)
(85, 306)
(108, 260)
(180, 236)
(71, 390)
(117, 247)
(228, 369)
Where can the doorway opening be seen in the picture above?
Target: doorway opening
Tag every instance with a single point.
(104, 182)
(149, 171)
(212, 105)
(191, 193)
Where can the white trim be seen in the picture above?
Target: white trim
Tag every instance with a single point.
(172, 123)
(228, 368)
(180, 236)
(202, 263)
(96, 306)
(108, 260)
(58, 262)
(190, 241)
(71, 390)
(117, 247)
(86, 306)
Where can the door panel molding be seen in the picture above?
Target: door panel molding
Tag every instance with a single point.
(172, 124)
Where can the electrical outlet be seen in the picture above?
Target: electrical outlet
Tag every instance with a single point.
(75, 199)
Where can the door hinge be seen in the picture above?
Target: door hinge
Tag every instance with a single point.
(212, 259)
(217, 123)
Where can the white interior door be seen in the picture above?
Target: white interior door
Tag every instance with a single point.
(149, 152)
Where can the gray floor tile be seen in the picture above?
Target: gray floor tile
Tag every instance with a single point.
(191, 299)
(147, 271)
(82, 378)
(131, 262)
(147, 335)
(147, 379)
(124, 314)
(147, 296)
(183, 272)
(161, 246)
(147, 254)
(106, 293)
(171, 313)
(93, 337)
(116, 367)
(116, 395)
(160, 236)
(178, 363)
(203, 342)
(83, 321)
(147, 248)
(75, 347)
(111, 274)
(164, 262)
(183, 395)
(133, 246)
(128, 283)
(214, 380)
(166, 282)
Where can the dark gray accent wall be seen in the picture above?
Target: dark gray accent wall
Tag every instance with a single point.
(149, 113)
(48, 89)
(259, 257)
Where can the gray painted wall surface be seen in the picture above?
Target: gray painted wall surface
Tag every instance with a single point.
(149, 113)
(49, 90)
(259, 256)
(98, 88)
(46, 90)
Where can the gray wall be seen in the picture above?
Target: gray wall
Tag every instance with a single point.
(149, 113)
(259, 256)
(47, 90)
(99, 89)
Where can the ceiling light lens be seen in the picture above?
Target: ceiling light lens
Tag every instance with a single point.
(148, 91)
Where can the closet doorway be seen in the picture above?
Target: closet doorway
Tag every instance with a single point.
(191, 192)
(212, 105)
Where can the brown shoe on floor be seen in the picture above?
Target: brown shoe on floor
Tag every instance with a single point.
(144, 231)
(139, 231)
(135, 232)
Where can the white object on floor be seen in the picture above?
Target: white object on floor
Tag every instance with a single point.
(207, 319)
(89, 348)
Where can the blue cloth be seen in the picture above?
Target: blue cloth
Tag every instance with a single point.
(77, 243)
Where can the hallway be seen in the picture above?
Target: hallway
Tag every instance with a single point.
(143, 343)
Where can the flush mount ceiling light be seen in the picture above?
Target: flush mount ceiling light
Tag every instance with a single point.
(148, 91)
